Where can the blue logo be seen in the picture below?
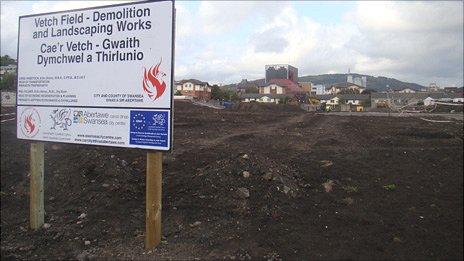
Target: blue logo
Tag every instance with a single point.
(149, 128)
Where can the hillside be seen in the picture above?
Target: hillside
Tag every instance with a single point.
(377, 83)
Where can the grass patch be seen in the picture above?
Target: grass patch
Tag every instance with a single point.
(390, 187)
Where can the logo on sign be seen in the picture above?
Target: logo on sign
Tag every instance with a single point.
(30, 122)
(78, 117)
(159, 119)
(138, 121)
(61, 118)
(153, 83)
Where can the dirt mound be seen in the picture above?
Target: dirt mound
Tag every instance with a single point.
(265, 107)
(183, 104)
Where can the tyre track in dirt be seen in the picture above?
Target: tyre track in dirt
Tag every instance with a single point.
(260, 129)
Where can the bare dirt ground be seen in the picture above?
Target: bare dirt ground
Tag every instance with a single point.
(320, 187)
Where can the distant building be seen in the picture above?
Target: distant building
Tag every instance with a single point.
(281, 71)
(194, 88)
(318, 89)
(361, 81)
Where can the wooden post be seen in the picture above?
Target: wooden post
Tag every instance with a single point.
(36, 193)
(153, 200)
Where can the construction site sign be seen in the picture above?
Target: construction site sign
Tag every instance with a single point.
(100, 76)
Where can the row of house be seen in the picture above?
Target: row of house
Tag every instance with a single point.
(379, 100)
(359, 102)
(346, 102)
(280, 85)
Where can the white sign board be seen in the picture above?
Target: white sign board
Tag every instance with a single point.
(100, 76)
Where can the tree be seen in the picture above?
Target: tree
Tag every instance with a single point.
(251, 89)
(229, 95)
(8, 82)
(216, 93)
(285, 100)
(6, 60)
(178, 93)
(234, 96)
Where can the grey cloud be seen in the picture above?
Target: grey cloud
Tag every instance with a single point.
(425, 42)
(269, 41)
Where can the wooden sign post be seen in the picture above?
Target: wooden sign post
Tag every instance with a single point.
(36, 193)
(153, 199)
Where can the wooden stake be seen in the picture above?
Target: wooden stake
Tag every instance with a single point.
(153, 200)
(36, 193)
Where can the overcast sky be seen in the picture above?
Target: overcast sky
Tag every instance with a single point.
(223, 42)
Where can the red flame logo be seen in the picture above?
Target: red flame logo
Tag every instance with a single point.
(153, 83)
(29, 124)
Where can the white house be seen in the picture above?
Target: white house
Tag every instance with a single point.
(407, 90)
(325, 98)
(265, 98)
(280, 86)
(429, 101)
(318, 89)
(271, 89)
